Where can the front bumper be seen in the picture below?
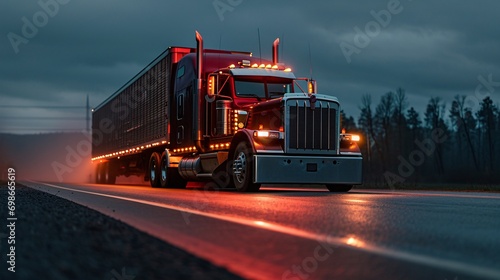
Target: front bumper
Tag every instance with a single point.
(278, 169)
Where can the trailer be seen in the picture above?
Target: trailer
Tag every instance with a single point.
(196, 114)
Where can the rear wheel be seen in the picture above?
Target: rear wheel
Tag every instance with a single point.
(100, 173)
(169, 176)
(109, 173)
(338, 188)
(154, 170)
(242, 170)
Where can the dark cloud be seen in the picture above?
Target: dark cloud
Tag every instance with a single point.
(92, 47)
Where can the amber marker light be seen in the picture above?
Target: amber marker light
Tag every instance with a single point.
(211, 83)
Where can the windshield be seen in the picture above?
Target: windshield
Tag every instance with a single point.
(262, 89)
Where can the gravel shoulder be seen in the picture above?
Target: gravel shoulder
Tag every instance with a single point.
(59, 239)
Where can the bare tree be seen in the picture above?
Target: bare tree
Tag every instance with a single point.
(347, 123)
(383, 125)
(400, 105)
(366, 124)
(434, 120)
(463, 120)
(487, 124)
(414, 122)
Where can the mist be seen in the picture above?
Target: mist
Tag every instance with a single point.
(51, 157)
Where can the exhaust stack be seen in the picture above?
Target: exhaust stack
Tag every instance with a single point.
(275, 51)
(199, 59)
(197, 124)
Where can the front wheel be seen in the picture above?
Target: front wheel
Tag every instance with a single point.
(242, 170)
(338, 188)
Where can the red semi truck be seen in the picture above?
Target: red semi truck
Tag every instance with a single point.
(195, 114)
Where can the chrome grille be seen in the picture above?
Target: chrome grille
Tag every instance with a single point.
(311, 130)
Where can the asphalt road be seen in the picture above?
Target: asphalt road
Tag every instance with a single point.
(291, 233)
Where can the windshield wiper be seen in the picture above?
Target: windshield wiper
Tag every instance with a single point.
(276, 93)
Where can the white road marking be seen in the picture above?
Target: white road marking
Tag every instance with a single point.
(426, 193)
(349, 242)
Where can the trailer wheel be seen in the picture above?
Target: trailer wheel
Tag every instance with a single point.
(170, 177)
(338, 188)
(242, 169)
(110, 174)
(99, 173)
(154, 170)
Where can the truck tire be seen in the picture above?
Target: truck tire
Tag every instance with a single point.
(154, 170)
(242, 169)
(338, 188)
(99, 173)
(110, 174)
(169, 176)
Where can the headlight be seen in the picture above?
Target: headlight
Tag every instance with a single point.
(267, 134)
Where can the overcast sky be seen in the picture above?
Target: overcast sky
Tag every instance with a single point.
(54, 54)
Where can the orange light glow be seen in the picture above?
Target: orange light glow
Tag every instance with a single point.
(356, 200)
(354, 242)
(261, 223)
(211, 81)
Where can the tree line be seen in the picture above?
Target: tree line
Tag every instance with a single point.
(454, 143)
